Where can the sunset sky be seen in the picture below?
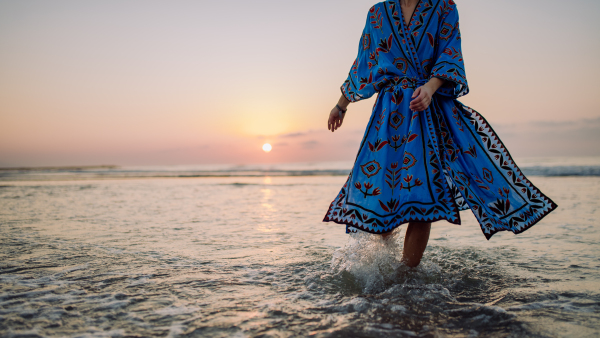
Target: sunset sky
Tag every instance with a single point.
(196, 82)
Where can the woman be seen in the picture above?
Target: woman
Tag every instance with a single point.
(424, 156)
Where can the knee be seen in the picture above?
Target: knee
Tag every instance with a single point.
(420, 224)
(419, 227)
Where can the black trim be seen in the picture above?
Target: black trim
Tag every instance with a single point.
(514, 211)
(398, 40)
(435, 104)
(506, 149)
(482, 146)
(348, 223)
(427, 25)
(344, 94)
(392, 214)
(425, 159)
(551, 205)
(411, 16)
(450, 63)
(411, 42)
(352, 81)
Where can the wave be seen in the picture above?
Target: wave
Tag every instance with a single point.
(283, 170)
(562, 170)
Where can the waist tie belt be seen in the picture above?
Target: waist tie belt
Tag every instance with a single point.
(405, 82)
(421, 82)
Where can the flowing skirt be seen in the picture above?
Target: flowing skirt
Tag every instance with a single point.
(427, 166)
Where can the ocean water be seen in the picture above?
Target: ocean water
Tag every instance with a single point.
(242, 252)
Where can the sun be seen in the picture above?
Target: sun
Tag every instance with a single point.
(267, 147)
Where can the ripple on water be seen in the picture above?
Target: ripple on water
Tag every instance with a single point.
(359, 290)
(81, 263)
(451, 292)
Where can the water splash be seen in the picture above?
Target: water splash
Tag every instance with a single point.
(369, 264)
(369, 261)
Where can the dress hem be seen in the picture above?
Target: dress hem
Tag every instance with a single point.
(553, 207)
(551, 204)
(358, 226)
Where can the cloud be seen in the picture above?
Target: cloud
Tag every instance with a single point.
(310, 144)
(352, 143)
(300, 134)
(297, 134)
(545, 124)
(184, 149)
(552, 138)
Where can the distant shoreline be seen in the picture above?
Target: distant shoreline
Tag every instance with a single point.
(75, 167)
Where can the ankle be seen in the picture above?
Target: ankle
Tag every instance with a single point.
(411, 262)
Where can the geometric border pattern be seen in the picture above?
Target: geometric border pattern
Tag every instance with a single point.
(539, 204)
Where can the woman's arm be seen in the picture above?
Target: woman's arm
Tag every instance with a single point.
(421, 100)
(335, 118)
(422, 95)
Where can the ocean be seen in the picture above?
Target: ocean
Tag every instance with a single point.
(241, 251)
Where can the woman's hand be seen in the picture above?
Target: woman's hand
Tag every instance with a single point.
(421, 98)
(422, 95)
(336, 117)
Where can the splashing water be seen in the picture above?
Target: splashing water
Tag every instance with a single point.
(371, 261)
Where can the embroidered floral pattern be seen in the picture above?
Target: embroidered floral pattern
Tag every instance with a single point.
(370, 169)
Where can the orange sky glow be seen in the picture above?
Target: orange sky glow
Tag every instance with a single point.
(197, 82)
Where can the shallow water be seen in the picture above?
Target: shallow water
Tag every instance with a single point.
(249, 257)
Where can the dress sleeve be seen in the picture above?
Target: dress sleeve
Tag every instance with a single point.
(449, 63)
(358, 85)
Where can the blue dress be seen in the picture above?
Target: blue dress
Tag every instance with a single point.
(429, 165)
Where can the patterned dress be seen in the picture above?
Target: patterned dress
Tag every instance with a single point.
(429, 165)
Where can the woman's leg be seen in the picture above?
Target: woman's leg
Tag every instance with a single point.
(415, 242)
